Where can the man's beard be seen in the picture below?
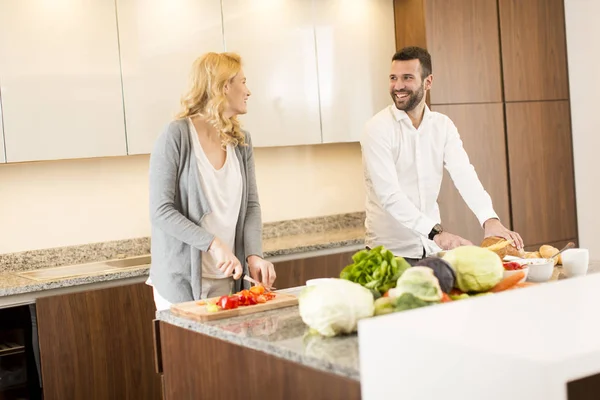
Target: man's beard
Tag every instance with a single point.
(408, 104)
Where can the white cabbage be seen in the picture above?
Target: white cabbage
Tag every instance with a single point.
(334, 306)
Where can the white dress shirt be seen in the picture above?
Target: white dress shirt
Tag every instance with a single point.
(403, 171)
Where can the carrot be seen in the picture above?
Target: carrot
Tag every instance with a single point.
(523, 285)
(508, 282)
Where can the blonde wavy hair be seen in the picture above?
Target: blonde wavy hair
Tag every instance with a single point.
(206, 94)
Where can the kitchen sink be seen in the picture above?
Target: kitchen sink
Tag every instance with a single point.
(96, 268)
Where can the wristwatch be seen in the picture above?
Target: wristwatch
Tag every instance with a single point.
(436, 230)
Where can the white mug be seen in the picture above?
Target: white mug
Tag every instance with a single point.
(575, 262)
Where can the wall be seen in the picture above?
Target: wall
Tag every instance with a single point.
(583, 34)
(71, 202)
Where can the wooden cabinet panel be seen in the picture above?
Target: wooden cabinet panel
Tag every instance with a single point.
(481, 127)
(98, 344)
(541, 171)
(192, 372)
(296, 272)
(157, 55)
(462, 37)
(61, 80)
(277, 43)
(533, 50)
(355, 43)
(409, 19)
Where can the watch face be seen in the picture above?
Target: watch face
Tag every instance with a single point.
(438, 228)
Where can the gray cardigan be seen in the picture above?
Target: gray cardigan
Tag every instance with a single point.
(177, 206)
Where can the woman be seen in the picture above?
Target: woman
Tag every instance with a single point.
(205, 214)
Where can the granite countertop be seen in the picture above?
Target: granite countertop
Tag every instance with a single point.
(279, 238)
(281, 333)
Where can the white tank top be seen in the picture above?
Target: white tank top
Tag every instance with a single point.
(223, 189)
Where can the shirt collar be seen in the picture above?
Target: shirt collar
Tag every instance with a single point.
(399, 115)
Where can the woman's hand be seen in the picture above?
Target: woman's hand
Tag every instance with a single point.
(262, 271)
(227, 262)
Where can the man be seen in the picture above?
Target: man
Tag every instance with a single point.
(405, 148)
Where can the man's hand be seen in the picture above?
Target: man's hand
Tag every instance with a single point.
(448, 241)
(494, 227)
(261, 271)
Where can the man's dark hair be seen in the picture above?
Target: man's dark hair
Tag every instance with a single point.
(415, 53)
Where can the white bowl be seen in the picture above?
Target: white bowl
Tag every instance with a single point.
(506, 273)
(540, 269)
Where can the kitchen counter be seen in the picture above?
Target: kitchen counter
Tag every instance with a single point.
(280, 333)
(286, 238)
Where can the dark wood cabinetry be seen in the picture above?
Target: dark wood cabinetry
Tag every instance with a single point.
(510, 55)
(98, 344)
(294, 273)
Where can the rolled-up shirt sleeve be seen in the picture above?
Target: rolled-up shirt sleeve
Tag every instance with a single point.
(381, 174)
(465, 178)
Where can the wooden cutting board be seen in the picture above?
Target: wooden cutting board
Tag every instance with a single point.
(192, 310)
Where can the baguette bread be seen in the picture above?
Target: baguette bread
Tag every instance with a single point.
(502, 247)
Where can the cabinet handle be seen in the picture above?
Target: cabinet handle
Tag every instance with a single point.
(158, 367)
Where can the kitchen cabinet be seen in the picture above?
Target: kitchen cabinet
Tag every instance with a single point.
(60, 80)
(541, 171)
(159, 41)
(277, 44)
(98, 344)
(481, 127)
(293, 273)
(191, 370)
(354, 44)
(462, 37)
(534, 54)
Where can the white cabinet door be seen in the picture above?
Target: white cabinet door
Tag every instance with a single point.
(276, 42)
(355, 44)
(61, 81)
(159, 40)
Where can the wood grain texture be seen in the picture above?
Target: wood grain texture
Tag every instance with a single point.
(481, 127)
(98, 344)
(463, 40)
(192, 310)
(296, 272)
(197, 366)
(533, 50)
(409, 21)
(541, 171)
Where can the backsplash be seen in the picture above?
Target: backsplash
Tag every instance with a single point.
(81, 254)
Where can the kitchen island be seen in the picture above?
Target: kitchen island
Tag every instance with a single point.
(267, 355)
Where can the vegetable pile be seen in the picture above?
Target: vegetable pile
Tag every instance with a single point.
(376, 269)
(335, 306)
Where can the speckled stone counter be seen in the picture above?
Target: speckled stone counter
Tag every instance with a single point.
(279, 238)
(283, 334)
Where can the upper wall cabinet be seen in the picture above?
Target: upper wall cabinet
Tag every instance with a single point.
(277, 44)
(462, 37)
(534, 50)
(60, 80)
(159, 42)
(355, 44)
